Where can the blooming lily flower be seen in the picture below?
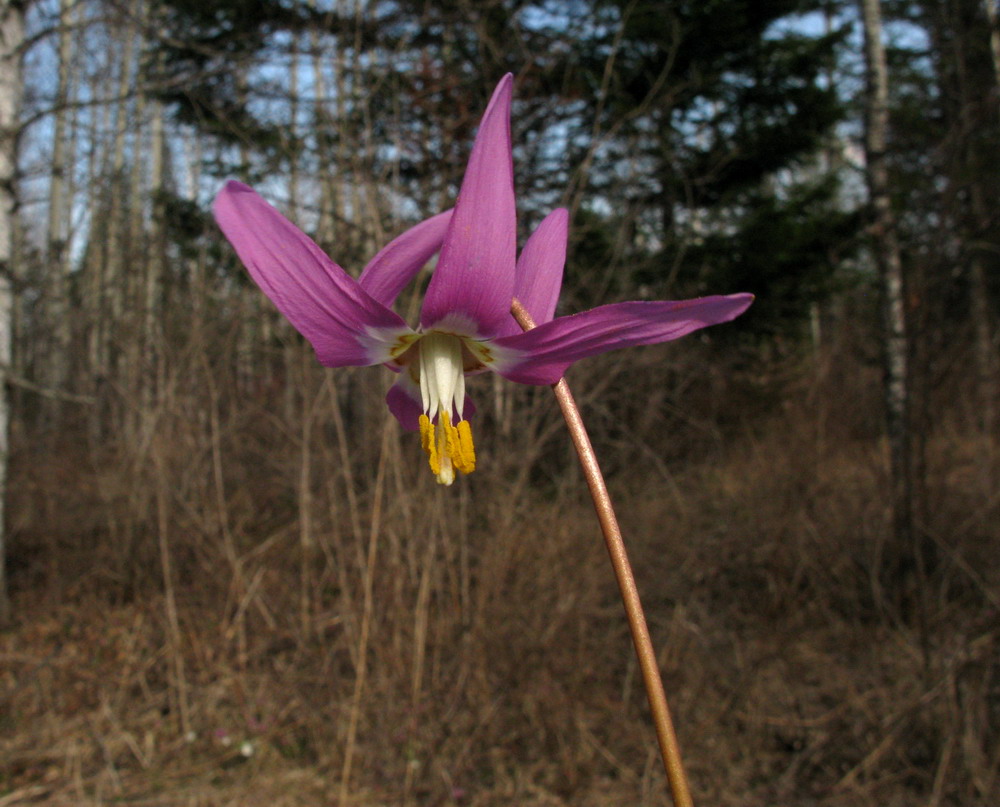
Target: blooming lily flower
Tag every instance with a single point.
(465, 322)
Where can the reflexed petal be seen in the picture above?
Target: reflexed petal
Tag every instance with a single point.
(539, 274)
(342, 322)
(474, 277)
(398, 262)
(541, 356)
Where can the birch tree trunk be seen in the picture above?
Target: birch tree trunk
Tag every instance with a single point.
(96, 254)
(11, 41)
(57, 266)
(135, 258)
(152, 308)
(885, 247)
(109, 290)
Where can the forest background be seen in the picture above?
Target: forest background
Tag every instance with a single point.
(230, 578)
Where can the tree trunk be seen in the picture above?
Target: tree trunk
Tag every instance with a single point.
(112, 281)
(329, 196)
(11, 41)
(135, 258)
(986, 344)
(885, 246)
(57, 264)
(152, 307)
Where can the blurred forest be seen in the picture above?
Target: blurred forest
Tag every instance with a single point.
(230, 578)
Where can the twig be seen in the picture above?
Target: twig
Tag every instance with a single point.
(665, 734)
(366, 619)
(173, 621)
(46, 392)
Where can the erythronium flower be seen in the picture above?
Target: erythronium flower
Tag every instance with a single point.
(465, 323)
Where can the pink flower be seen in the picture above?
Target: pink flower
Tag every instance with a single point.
(465, 323)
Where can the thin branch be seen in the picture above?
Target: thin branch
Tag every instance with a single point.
(46, 392)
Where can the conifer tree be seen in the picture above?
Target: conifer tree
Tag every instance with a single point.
(723, 110)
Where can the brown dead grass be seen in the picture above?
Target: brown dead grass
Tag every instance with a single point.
(497, 667)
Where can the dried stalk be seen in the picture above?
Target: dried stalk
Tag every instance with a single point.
(173, 620)
(366, 618)
(665, 734)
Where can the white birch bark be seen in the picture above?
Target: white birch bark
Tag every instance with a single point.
(885, 245)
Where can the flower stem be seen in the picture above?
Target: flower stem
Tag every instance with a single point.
(665, 734)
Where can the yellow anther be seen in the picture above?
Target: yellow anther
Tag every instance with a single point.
(458, 444)
(426, 432)
(429, 444)
(449, 448)
(465, 461)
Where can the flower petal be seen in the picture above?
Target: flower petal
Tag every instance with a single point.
(539, 274)
(541, 355)
(540, 267)
(398, 262)
(342, 322)
(403, 400)
(474, 278)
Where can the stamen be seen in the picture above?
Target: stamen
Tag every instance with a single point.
(442, 391)
(467, 461)
(459, 444)
(429, 444)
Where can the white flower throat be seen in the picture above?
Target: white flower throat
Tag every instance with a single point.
(442, 392)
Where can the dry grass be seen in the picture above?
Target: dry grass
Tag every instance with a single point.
(199, 596)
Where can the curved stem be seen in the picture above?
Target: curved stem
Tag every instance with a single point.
(665, 734)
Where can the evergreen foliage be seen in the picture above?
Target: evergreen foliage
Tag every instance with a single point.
(710, 105)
